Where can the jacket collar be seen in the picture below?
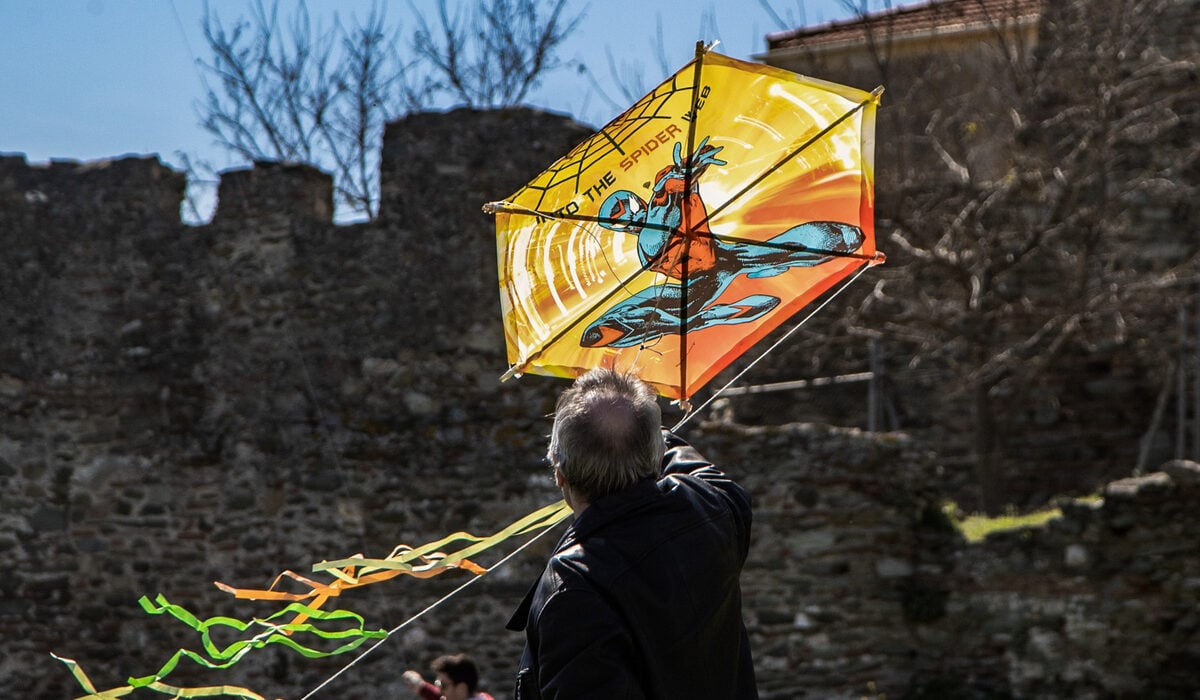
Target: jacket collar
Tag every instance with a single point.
(610, 508)
(595, 517)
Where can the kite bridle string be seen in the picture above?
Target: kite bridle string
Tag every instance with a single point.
(433, 605)
(688, 416)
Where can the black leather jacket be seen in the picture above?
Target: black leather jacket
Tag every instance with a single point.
(641, 597)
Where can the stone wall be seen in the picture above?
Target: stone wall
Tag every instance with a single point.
(184, 405)
(1077, 420)
(1100, 603)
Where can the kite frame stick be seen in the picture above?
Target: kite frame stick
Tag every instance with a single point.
(688, 178)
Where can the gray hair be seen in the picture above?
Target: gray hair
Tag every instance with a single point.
(607, 433)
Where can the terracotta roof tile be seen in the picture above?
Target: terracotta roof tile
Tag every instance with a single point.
(912, 19)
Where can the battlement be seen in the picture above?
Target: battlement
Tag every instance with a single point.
(138, 188)
(271, 189)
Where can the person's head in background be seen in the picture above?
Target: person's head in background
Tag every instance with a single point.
(457, 676)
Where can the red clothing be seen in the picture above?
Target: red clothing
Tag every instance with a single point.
(697, 242)
(429, 691)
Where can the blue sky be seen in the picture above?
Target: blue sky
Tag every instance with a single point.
(94, 79)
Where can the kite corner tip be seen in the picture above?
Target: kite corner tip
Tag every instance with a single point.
(492, 207)
(512, 373)
(879, 259)
(876, 94)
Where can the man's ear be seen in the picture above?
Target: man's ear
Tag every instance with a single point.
(559, 479)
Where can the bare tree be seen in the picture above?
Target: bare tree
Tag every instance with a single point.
(494, 58)
(1033, 193)
(292, 92)
(628, 77)
(797, 18)
(289, 90)
(1019, 205)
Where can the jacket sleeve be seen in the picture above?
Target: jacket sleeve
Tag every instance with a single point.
(584, 650)
(681, 458)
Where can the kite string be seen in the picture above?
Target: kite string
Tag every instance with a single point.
(435, 604)
(688, 416)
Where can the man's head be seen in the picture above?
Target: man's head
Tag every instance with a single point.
(607, 434)
(456, 676)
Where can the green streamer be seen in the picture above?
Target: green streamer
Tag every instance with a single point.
(216, 657)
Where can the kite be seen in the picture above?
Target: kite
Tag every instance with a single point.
(691, 226)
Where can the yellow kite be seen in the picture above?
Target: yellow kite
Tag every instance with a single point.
(676, 237)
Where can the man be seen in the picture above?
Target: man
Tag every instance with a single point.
(457, 677)
(641, 597)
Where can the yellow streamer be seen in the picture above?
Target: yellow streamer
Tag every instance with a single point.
(173, 691)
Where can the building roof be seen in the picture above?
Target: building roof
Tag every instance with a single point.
(920, 19)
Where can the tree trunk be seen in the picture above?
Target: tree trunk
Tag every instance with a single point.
(987, 462)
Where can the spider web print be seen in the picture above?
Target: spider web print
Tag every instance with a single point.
(646, 113)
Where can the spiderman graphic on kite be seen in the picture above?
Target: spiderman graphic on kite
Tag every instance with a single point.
(673, 239)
